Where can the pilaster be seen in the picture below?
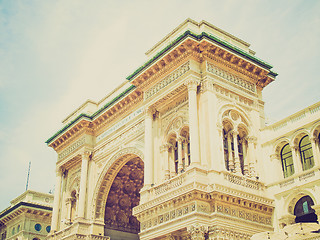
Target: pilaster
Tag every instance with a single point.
(192, 84)
(56, 202)
(83, 183)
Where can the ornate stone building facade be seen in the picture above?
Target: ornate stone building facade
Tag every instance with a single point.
(28, 217)
(181, 151)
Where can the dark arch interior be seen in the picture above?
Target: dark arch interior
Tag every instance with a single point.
(303, 210)
(123, 196)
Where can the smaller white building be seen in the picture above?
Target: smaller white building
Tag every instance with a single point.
(28, 217)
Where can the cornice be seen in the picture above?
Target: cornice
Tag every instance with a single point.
(22, 207)
(96, 122)
(205, 45)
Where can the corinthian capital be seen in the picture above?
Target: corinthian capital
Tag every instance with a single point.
(207, 85)
(86, 154)
(197, 232)
(192, 84)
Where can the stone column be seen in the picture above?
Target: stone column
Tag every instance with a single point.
(68, 205)
(180, 165)
(148, 162)
(230, 157)
(197, 232)
(172, 161)
(251, 156)
(56, 202)
(315, 150)
(245, 159)
(278, 169)
(83, 183)
(296, 159)
(186, 157)
(236, 152)
(165, 159)
(220, 155)
(193, 121)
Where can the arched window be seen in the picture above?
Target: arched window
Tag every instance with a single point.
(287, 161)
(303, 210)
(306, 153)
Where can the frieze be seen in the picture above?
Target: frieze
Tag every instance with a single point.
(215, 232)
(122, 138)
(244, 214)
(307, 175)
(120, 124)
(231, 77)
(226, 94)
(169, 79)
(243, 181)
(168, 216)
(72, 148)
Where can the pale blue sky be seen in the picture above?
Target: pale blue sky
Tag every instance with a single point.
(54, 55)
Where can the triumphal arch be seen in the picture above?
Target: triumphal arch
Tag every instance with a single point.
(172, 153)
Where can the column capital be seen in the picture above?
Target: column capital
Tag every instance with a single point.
(252, 139)
(180, 139)
(274, 156)
(314, 139)
(207, 85)
(294, 148)
(59, 171)
(197, 231)
(192, 84)
(150, 111)
(234, 133)
(165, 147)
(86, 154)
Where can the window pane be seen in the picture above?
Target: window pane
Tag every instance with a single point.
(287, 161)
(306, 153)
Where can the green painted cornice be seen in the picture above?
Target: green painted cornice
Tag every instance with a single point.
(203, 35)
(90, 118)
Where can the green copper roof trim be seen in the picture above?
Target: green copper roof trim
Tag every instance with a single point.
(90, 118)
(200, 37)
(273, 74)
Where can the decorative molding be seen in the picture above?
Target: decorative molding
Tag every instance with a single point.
(133, 131)
(72, 148)
(286, 183)
(167, 80)
(216, 232)
(197, 231)
(306, 176)
(120, 124)
(231, 77)
(243, 181)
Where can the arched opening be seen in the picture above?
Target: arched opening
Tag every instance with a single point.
(124, 195)
(303, 210)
